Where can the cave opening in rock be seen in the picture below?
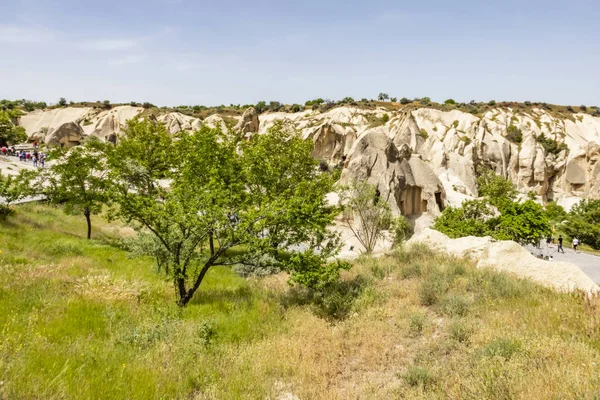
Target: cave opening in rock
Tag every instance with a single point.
(439, 201)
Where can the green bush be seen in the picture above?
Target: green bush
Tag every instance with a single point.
(492, 103)
(460, 332)
(450, 101)
(503, 347)
(583, 222)
(550, 145)
(418, 377)
(432, 289)
(404, 100)
(454, 305)
(514, 134)
(413, 270)
(416, 323)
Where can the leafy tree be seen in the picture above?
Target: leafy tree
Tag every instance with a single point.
(555, 213)
(522, 222)
(77, 178)
(492, 103)
(450, 101)
(260, 107)
(148, 105)
(296, 108)
(394, 99)
(583, 222)
(106, 104)
(62, 102)
(275, 105)
(13, 189)
(468, 220)
(229, 202)
(383, 96)
(404, 100)
(425, 100)
(496, 188)
(10, 133)
(347, 100)
(365, 213)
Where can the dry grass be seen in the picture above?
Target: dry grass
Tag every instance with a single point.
(82, 320)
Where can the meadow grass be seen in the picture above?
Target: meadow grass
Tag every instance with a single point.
(83, 319)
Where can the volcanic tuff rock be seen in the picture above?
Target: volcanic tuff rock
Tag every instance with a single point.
(421, 159)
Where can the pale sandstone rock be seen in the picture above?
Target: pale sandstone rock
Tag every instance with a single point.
(510, 257)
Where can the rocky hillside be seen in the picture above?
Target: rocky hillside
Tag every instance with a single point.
(421, 159)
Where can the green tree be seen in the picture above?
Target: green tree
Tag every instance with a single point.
(471, 219)
(260, 107)
(404, 100)
(383, 96)
(13, 189)
(496, 188)
(62, 102)
(365, 214)
(555, 213)
(229, 202)
(450, 101)
(583, 222)
(10, 133)
(77, 178)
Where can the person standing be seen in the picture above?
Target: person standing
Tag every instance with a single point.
(575, 244)
(560, 245)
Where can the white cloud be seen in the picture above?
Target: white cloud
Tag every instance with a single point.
(133, 59)
(109, 44)
(13, 34)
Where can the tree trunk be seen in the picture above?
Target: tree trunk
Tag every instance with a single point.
(180, 282)
(211, 242)
(86, 212)
(190, 293)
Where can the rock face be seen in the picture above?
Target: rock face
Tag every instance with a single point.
(419, 158)
(404, 180)
(67, 135)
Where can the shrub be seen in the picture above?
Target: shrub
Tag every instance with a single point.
(62, 102)
(583, 222)
(528, 103)
(424, 133)
(404, 100)
(454, 305)
(431, 290)
(550, 145)
(418, 376)
(492, 103)
(347, 99)
(148, 105)
(323, 166)
(416, 323)
(425, 100)
(385, 118)
(394, 99)
(133, 104)
(583, 108)
(569, 108)
(503, 347)
(296, 108)
(413, 270)
(514, 134)
(460, 332)
(401, 229)
(450, 101)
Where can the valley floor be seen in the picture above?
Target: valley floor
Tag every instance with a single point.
(82, 319)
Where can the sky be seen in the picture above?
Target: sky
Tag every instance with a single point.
(185, 52)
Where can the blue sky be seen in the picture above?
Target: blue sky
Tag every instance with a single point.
(172, 52)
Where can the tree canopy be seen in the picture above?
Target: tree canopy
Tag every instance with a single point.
(583, 222)
(10, 133)
(208, 198)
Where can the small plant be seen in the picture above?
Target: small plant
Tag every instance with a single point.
(460, 332)
(296, 108)
(455, 124)
(583, 108)
(569, 108)
(528, 103)
(418, 377)
(385, 118)
(492, 103)
(416, 323)
(207, 332)
(431, 290)
(424, 133)
(550, 145)
(413, 270)
(503, 347)
(404, 100)
(455, 305)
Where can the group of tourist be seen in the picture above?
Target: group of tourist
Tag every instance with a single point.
(38, 158)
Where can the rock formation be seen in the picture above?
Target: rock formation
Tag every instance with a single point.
(426, 150)
(67, 135)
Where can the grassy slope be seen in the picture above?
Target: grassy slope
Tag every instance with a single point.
(80, 319)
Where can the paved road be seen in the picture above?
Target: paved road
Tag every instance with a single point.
(589, 263)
